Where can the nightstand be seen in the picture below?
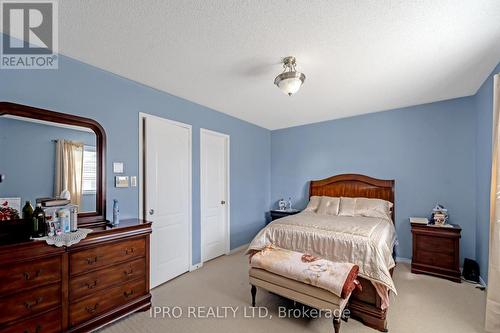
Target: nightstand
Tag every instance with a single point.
(277, 214)
(436, 251)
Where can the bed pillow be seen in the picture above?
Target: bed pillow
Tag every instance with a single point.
(329, 206)
(373, 208)
(347, 206)
(313, 204)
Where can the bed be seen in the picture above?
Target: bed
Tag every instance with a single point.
(365, 241)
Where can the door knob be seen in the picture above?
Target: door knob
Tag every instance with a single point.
(151, 211)
(222, 202)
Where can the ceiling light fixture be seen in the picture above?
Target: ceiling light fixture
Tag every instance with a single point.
(290, 80)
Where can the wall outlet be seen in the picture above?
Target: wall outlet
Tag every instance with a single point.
(133, 181)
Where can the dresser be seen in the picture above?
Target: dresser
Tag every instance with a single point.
(436, 251)
(76, 289)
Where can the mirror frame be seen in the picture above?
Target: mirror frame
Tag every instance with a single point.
(85, 219)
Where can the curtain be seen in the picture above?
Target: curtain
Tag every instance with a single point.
(69, 169)
(492, 321)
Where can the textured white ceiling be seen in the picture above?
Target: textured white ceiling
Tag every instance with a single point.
(358, 56)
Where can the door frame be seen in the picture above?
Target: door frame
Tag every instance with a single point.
(227, 236)
(142, 189)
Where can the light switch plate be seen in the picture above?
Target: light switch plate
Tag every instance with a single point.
(121, 181)
(133, 181)
(118, 167)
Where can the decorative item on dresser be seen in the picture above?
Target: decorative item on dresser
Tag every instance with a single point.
(277, 214)
(436, 250)
(78, 288)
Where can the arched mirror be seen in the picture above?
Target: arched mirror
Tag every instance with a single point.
(44, 153)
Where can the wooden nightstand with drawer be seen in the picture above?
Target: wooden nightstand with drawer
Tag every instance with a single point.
(436, 251)
(277, 214)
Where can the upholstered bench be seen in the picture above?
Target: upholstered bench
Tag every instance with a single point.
(296, 283)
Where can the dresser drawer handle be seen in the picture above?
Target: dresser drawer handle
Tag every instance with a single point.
(130, 250)
(92, 309)
(28, 276)
(30, 304)
(91, 285)
(92, 260)
(127, 294)
(130, 271)
(38, 329)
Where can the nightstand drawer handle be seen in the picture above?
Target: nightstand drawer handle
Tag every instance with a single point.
(129, 250)
(91, 260)
(128, 272)
(28, 276)
(30, 304)
(92, 309)
(127, 294)
(91, 285)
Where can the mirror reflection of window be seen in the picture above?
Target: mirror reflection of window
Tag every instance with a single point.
(89, 171)
(35, 167)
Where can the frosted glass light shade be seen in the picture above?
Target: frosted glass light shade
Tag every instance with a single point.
(289, 82)
(290, 86)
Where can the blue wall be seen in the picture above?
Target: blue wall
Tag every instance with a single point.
(484, 126)
(427, 149)
(439, 152)
(28, 157)
(115, 102)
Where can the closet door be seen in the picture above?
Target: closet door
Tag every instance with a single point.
(168, 196)
(214, 163)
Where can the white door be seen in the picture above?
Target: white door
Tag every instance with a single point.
(168, 196)
(214, 150)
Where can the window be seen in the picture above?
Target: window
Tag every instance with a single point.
(89, 170)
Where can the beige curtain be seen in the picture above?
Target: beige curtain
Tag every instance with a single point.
(69, 169)
(492, 322)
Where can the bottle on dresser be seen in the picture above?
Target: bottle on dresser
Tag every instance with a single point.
(64, 220)
(38, 222)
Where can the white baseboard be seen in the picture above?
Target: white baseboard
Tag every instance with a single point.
(238, 249)
(482, 282)
(196, 266)
(405, 260)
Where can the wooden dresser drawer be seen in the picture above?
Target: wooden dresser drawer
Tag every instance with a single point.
(99, 256)
(435, 244)
(24, 275)
(444, 260)
(46, 323)
(105, 300)
(29, 302)
(82, 285)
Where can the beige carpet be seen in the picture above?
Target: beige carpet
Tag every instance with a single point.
(424, 304)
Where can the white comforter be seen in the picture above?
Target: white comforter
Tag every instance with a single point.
(364, 241)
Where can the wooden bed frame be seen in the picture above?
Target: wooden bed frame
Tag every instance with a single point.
(365, 305)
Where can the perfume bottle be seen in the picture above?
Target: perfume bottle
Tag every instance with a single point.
(116, 212)
(289, 203)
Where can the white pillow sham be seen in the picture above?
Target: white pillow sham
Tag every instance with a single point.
(313, 204)
(365, 207)
(329, 206)
(347, 206)
(373, 208)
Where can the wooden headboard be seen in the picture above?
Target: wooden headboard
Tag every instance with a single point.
(353, 185)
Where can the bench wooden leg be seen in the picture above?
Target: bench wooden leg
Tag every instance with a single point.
(254, 292)
(336, 324)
